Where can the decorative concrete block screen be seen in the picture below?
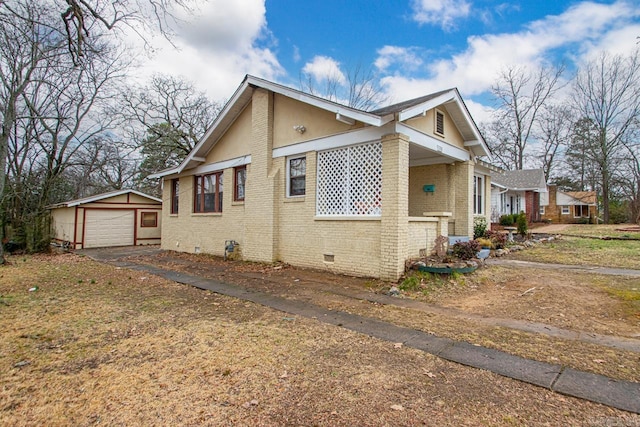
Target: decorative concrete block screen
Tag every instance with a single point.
(350, 181)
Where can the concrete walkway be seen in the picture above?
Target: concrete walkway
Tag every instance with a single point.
(619, 394)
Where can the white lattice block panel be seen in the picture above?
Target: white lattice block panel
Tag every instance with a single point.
(350, 181)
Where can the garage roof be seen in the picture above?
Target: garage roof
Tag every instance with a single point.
(99, 197)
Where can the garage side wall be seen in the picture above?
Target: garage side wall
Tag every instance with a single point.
(62, 224)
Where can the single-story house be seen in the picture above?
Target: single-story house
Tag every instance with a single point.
(117, 218)
(518, 191)
(570, 207)
(287, 176)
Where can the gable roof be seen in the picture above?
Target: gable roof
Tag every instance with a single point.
(525, 179)
(576, 198)
(377, 118)
(99, 197)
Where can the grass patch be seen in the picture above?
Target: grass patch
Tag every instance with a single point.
(146, 351)
(602, 230)
(581, 251)
(426, 283)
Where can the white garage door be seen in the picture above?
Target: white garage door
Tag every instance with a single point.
(108, 228)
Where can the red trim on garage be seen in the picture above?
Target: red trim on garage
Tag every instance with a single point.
(135, 227)
(75, 228)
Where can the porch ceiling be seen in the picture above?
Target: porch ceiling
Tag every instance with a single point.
(421, 156)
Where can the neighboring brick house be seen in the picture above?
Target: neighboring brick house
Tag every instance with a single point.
(570, 207)
(317, 184)
(518, 191)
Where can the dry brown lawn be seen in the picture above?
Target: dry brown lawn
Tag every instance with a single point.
(95, 344)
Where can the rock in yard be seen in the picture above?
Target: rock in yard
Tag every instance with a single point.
(501, 252)
(394, 291)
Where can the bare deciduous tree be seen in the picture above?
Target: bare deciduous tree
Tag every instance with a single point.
(83, 19)
(358, 88)
(166, 118)
(521, 95)
(25, 45)
(553, 136)
(606, 91)
(50, 108)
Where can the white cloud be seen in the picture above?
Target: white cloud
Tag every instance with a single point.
(582, 28)
(296, 54)
(323, 68)
(443, 13)
(405, 57)
(218, 46)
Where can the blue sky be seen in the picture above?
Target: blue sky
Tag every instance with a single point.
(414, 47)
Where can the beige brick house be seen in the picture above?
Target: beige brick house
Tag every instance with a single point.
(295, 178)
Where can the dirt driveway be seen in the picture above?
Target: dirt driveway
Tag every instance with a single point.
(547, 315)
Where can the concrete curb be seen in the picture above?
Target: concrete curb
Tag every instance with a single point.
(619, 394)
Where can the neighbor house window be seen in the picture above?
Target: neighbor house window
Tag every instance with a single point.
(478, 195)
(296, 176)
(240, 180)
(439, 124)
(208, 193)
(565, 210)
(541, 210)
(581, 211)
(350, 181)
(149, 219)
(175, 191)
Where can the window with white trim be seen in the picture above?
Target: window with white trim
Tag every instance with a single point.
(296, 176)
(565, 210)
(350, 181)
(478, 194)
(542, 210)
(439, 123)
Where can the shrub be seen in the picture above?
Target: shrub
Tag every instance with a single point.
(466, 250)
(479, 226)
(523, 227)
(484, 242)
(506, 220)
(498, 239)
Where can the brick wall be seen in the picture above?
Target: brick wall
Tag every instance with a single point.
(206, 233)
(462, 178)
(395, 199)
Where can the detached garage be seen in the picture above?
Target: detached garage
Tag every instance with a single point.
(118, 218)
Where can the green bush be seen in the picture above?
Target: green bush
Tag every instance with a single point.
(507, 220)
(466, 250)
(479, 226)
(521, 222)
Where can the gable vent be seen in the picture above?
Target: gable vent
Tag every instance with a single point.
(439, 123)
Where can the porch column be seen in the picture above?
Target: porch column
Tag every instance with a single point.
(260, 195)
(463, 212)
(394, 224)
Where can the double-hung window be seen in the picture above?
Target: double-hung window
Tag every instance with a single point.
(296, 176)
(175, 191)
(239, 185)
(208, 193)
(478, 195)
